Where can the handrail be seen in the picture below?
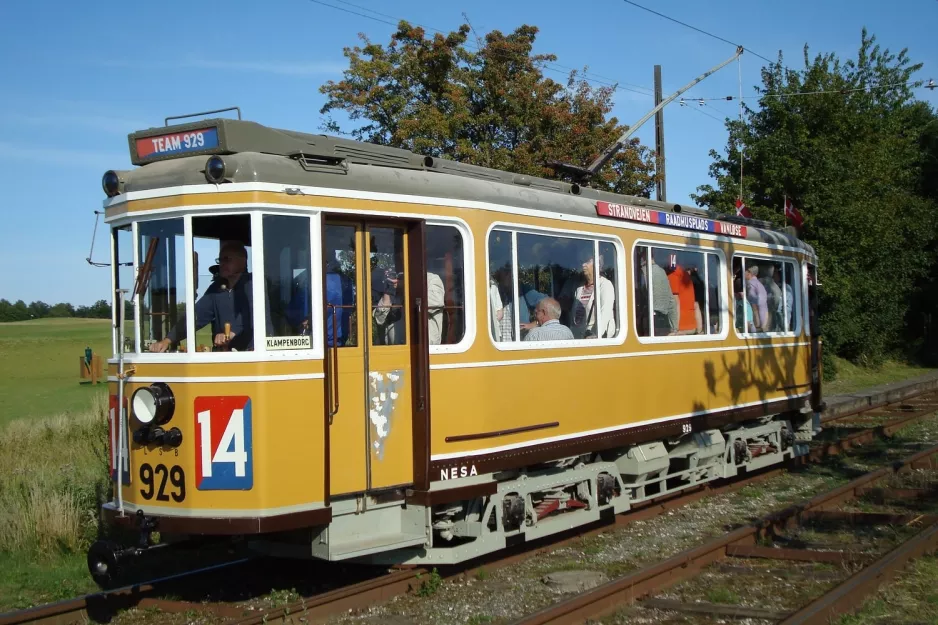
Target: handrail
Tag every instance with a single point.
(230, 108)
(334, 374)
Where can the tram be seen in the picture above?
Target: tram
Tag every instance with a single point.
(344, 351)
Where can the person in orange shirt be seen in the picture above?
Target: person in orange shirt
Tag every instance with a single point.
(682, 286)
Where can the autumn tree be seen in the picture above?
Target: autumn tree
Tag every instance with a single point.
(490, 106)
(852, 159)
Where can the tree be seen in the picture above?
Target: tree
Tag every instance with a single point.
(491, 107)
(62, 309)
(851, 159)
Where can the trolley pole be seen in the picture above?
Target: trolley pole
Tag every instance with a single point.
(661, 187)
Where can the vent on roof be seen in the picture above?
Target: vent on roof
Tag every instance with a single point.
(360, 153)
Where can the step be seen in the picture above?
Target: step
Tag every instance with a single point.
(366, 545)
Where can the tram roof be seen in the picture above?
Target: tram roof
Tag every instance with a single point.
(258, 153)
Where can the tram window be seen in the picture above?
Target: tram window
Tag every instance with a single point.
(765, 292)
(573, 277)
(682, 295)
(224, 283)
(446, 294)
(500, 290)
(287, 281)
(388, 316)
(161, 273)
(124, 280)
(341, 297)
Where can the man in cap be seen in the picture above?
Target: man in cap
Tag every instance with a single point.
(227, 300)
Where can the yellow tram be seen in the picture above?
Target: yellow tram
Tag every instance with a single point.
(346, 351)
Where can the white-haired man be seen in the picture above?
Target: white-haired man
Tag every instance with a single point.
(549, 328)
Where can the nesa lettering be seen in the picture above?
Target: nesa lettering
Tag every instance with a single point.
(456, 472)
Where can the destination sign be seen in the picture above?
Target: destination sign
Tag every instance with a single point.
(177, 143)
(628, 212)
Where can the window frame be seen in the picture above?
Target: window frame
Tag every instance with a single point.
(260, 353)
(469, 292)
(724, 308)
(316, 351)
(805, 304)
(596, 238)
(796, 290)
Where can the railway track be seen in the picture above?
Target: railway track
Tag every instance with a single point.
(776, 529)
(850, 429)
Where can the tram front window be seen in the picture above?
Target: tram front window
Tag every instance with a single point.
(222, 263)
(222, 285)
(161, 283)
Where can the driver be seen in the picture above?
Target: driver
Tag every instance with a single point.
(227, 300)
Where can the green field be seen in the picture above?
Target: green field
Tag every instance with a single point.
(39, 366)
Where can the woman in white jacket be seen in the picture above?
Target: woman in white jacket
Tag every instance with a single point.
(584, 314)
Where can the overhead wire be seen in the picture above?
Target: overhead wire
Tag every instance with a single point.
(611, 81)
(687, 105)
(553, 66)
(700, 30)
(915, 84)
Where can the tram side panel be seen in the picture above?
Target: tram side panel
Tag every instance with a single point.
(512, 409)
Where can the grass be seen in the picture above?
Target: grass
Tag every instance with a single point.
(39, 366)
(911, 598)
(53, 476)
(851, 378)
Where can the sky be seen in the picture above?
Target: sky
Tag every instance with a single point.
(77, 77)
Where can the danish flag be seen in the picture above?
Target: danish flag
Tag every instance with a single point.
(792, 213)
(741, 209)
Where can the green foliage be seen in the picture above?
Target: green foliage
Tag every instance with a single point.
(722, 594)
(491, 107)
(856, 163)
(19, 311)
(429, 585)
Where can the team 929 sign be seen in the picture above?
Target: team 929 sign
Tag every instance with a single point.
(224, 458)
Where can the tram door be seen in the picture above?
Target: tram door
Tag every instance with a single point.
(370, 383)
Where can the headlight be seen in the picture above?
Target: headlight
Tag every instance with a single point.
(111, 183)
(153, 404)
(215, 169)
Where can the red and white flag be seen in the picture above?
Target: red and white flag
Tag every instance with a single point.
(792, 213)
(741, 209)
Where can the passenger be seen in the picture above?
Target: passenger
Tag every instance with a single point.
(583, 317)
(227, 300)
(436, 301)
(340, 293)
(662, 302)
(549, 328)
(773, 299)
(683, 287)
(387, 306)
(500, 304)
(757, 297)
(700, 297)
(785, 304)
(530, 296)
(743, 315)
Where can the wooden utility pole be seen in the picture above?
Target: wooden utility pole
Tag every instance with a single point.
(661, 188)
